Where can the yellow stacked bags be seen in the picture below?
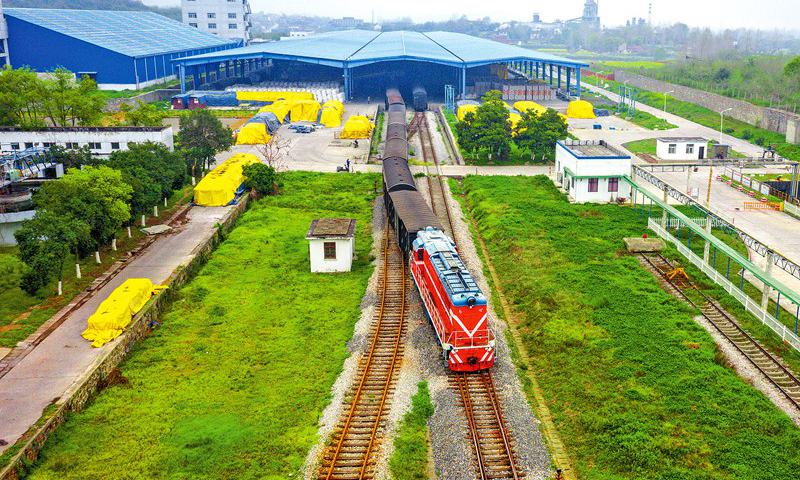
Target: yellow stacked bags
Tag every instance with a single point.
(332, 112)
(116, 311)
(218, 188)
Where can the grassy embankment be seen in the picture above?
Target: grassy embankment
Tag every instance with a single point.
(710, 119)
(636, 387)
(517, 156)
(376, 139)
(21, 314)
(231, 385)
(410, 458)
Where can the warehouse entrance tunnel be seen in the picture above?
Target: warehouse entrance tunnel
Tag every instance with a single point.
(372, 80)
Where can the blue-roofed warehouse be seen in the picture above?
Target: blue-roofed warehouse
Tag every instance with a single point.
(119, 49)
(367, 61)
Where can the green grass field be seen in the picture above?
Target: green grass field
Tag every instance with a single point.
(632, 64)
(410, 458)
(637, 389)
(231, 385)
(648, 145)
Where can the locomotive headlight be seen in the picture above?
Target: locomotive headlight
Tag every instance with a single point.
(471, 301)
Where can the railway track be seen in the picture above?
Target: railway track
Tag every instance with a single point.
(352, 448)
(435, 181)
(769, 366)
(492, 443)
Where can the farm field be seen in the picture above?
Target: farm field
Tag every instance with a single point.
(636, 387)
(231, 385)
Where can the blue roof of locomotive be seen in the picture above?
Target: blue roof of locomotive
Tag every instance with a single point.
(452, 272)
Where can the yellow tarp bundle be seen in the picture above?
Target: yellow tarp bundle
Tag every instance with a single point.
(273, 96)
(525, 105)
(330, 117)
(463, 110)
(280, 108)
(305, 111)
(254, 133)
(357, 126)
(339, 106)
(580, 109)
(116, 311)
(515, 118)
(219, 187)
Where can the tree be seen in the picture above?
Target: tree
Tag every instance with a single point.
(202, 136)
(491, 128)
(95, 195)
(20, 98)
(45, 242)
(72, 158)
(792, 70)
(275, 151)
(165, 168)
(538, 133)
(145, 115)
(261, 178)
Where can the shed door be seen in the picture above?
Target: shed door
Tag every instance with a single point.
(701, 153)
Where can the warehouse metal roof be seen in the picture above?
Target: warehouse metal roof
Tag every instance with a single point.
(135, 34)
(353, 48)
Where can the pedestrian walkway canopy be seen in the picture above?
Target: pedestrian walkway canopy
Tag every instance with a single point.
(354, 48)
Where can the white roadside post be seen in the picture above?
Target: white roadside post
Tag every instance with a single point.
(143, 221)
(129, 231)
(665, 99)
(114, 244)
(97, 256)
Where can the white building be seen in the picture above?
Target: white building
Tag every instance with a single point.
(101, 140)
(3, 38)
(331, 244)
(592, 171)
(226, 18)
(681, 148)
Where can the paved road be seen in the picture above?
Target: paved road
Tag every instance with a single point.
(686, 128)
(52, 367)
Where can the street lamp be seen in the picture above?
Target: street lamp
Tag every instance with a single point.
(711, 158)
(721, 117)
(665, 98)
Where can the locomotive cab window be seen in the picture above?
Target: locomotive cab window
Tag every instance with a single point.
(330, 250)
(420, 255)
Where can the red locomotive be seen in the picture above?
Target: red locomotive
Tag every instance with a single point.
(453, 302)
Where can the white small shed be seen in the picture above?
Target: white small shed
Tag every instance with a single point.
(681, 148)
(331, 244)
(592, 171)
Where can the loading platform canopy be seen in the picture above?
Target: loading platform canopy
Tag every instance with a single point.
(353, 48)
(719, 244)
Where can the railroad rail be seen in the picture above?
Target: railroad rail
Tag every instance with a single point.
(769, 366)
(488, 434)
(439, 202)
(352, 448)
(492, 443)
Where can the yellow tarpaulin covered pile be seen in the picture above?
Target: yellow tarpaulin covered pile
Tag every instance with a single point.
(273, 96)
(524, 106)
(218, 188)
(331, 115)
(280, 108)
(463, 110)
(116, 311)
(254, 133)
(515, 118)
(305, 111)
(357, 126)
(580, 109)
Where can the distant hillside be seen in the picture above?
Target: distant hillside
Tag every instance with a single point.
(173, 13)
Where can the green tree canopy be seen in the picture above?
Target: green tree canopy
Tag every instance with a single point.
(489, 128)
(167, 169)
(260, 177)
(144, 115)
(95, 195)
(202, 136)
(538, 133)
(44, 243)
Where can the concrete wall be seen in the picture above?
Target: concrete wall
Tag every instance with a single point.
(87, 385)
(113, 104)
(764, 117)
(10, 223)
(344, 255)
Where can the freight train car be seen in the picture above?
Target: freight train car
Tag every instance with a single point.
(419, 98)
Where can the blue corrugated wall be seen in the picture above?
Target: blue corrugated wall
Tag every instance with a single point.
(43, 49)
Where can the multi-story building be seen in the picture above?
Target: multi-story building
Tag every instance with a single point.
(226, 18)
(3, 37)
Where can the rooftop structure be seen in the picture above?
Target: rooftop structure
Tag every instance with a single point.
(118, 49)
(401, 53)
(591, 171)
(331, 244)
(682, 148)
(102, 141)
(226, 18)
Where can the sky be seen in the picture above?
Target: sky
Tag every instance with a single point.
(716, 14)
